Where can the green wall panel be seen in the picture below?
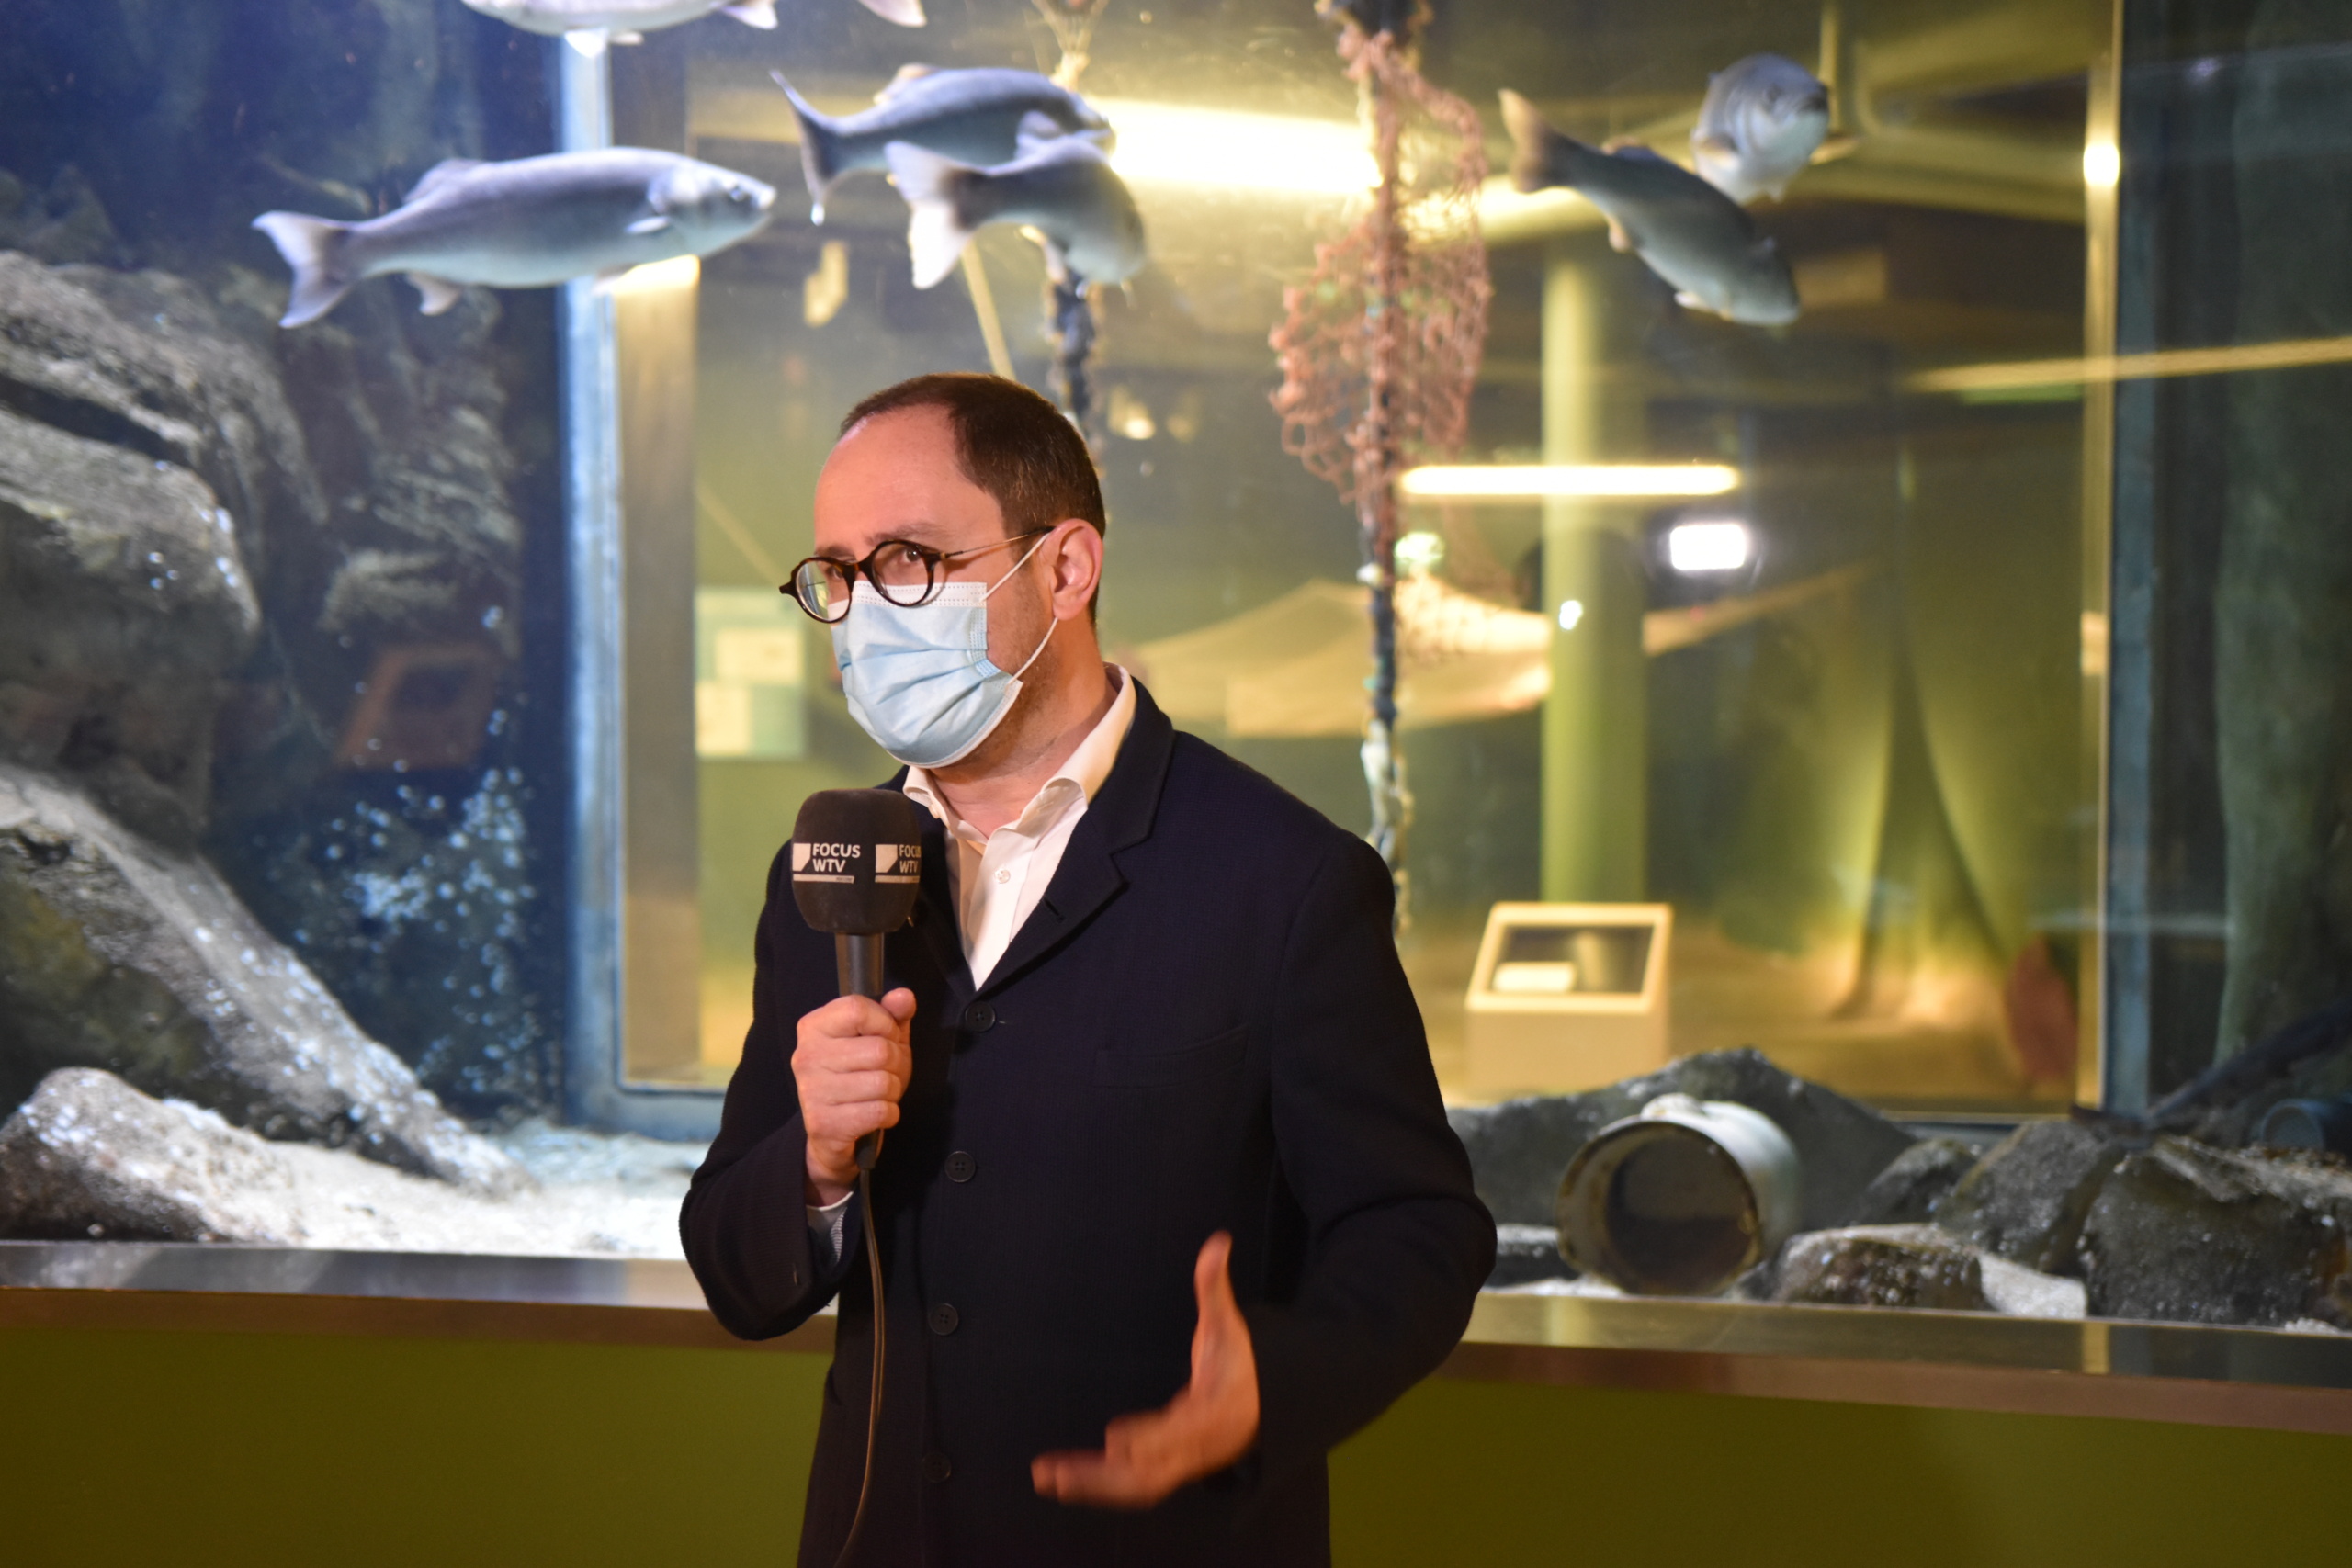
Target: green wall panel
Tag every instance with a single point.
(122, 1447)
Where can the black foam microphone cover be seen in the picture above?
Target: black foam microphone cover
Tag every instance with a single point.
(857, 860)
(856, 868)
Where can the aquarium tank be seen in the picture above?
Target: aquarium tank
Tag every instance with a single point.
(1809, 536)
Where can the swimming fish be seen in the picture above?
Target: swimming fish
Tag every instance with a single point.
(1063, 186)
(974, 117)
(1689, 232)
(1762, 122)
(523, 223)
(586, 24)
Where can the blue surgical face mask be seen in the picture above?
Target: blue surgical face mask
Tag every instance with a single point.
(918, 678)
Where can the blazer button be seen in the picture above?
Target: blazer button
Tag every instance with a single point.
(979, 1018)
(960, 1167)
(943, 1318)
(935, 1468)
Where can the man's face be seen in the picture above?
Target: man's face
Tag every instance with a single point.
(895, 477)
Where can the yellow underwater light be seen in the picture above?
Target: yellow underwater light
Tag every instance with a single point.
(1538, 481)
(1179, 145)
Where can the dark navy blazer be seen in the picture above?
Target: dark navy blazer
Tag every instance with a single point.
(1203, 1026)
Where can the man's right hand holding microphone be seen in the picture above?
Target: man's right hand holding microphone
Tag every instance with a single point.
(851, 1064)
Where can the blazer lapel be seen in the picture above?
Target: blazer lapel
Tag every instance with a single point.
(935, 924)
(1120, 815)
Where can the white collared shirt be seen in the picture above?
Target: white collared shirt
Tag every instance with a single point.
(998, 878)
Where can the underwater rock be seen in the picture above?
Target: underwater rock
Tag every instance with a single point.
(1519, 1149)
(2189, 1233)
(124, 603)
(2026, 1198)
(1914, 1183)
(144, 361)
(1883, 1266)
(117, 954)
(1525, 1253)
(403, 417)
(65, 223)
(1910, 1266)
(90, 1157)
(147, 457)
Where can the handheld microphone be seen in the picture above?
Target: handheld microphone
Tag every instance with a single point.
(856, 869)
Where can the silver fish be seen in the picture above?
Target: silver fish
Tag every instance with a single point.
(1763, 119)
(1689, 232)
(523, 223)
(974, 117)
(586, 24)
(1063, 186)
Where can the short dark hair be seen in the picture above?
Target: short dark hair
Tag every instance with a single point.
(1008, 441)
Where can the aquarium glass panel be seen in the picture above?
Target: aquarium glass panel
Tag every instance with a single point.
(1793, 622)
(2230, 563)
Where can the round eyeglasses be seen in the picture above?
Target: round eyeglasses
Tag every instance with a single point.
(905, 574)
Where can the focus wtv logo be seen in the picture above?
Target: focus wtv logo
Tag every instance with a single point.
(826, 862)
(898, 863)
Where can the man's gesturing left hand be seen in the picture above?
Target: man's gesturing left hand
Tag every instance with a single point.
(1212, 1423)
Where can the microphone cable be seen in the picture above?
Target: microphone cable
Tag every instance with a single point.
(874, 1393)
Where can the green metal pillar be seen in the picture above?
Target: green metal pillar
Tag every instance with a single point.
(1595, 724)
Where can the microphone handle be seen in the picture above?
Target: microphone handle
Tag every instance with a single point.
(857, 970)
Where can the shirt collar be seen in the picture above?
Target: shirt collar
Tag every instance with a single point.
(1076, 781)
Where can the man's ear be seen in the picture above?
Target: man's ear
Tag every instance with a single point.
(1077, 567)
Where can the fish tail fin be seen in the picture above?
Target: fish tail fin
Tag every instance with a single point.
(316, 249)
(905, 13)
(1535, 145)
(938, 226)
(819, 148)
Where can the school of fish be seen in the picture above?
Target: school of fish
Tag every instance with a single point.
(1763, 121)
(971, 147)
(1689, 234)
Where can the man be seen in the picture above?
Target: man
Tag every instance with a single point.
(1168, 1204)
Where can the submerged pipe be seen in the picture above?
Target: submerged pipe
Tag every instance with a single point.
(1680, 1200)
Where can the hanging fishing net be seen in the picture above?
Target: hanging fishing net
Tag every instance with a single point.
(1379, 349)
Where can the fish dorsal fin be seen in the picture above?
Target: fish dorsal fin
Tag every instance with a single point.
(909, 74)
(1036, 131)
(439, 174)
